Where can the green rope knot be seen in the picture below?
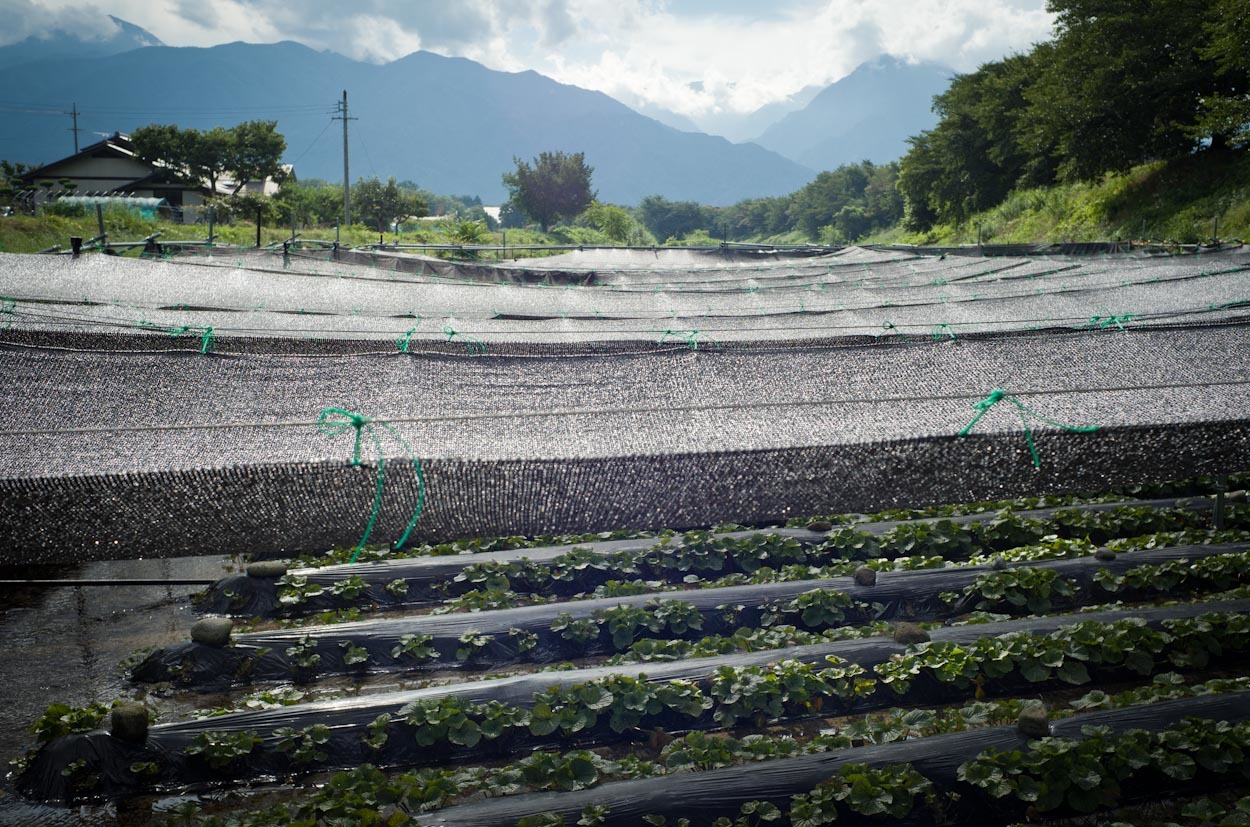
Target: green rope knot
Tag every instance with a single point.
(330, 426)
(997, 395)
(689, 337)
(334, 421)
(888, 325)
(1103, 322)
(7, 306)
(205, 333)
(403, 342)
(943, 329)
(476, 347)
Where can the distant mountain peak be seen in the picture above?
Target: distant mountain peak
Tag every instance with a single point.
(867, 115)
(135, 34)
(56, 44)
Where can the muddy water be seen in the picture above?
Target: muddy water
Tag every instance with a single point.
(64, 644)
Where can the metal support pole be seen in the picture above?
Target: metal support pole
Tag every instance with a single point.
(75, 245)
(1221, 485)
(211, 215)
(1215, 233)
(292, 225)
(99, 219)
(258, 211)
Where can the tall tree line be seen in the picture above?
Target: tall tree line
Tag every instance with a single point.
(1122, 82)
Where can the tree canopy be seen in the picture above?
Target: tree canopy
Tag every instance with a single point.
(379, 205)
(250, 151)
(1122, 83)
(556, 186)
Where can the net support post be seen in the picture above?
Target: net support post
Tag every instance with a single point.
(1221, 486)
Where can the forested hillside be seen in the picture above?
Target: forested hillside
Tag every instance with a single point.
(1122, 84)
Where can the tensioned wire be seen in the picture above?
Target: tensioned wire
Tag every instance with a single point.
(601, 349)
(1102, 320)
(641, 409)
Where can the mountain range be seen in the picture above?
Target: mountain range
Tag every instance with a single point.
(60, 45)
(449, 124)
(867, 115)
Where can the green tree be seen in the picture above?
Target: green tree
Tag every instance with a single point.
(255, 152)
(979, 150)
(611, 220)
(379, 205)
(1124, 83)
(1225, 115)
(11, 185)
(249, 151)
(556, 186)
(671, 219)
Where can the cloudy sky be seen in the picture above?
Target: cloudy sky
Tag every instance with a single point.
(694, 57)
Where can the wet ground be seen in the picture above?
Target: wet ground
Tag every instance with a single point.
(64, 645)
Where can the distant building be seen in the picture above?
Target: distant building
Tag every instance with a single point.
(110, 167)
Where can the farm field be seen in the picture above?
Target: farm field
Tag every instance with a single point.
(617, 538)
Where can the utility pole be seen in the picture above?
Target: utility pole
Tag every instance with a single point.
(74, 113)
(347, 196)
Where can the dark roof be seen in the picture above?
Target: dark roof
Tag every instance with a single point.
(117, 144)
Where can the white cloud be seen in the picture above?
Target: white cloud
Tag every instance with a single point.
(738, 55)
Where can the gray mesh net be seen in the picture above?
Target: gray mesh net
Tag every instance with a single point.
(170, 406)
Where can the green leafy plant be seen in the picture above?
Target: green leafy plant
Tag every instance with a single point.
(580, 631)
(303, 654)
(1027, 587)
(295, 590)
(222, 749)
(349, 588)
(523, 641)
(356, 657)
(63, 719)
(415, 646)
(304, 746)
(887, 791)
(472, 644)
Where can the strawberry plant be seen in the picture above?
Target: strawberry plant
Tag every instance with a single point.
(472, 644)
(223, 749)
(304, 746)
(416, 646)
(889, 791)
(1028, 588)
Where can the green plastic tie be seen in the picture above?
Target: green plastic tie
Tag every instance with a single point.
(944, 329)
(206, 340)
(334, 421)
(997, 395)
(689, 337)
(889, 325)
(403, 342)
(476, 347)
(205, 333)
(1103, 322)
(7, 306)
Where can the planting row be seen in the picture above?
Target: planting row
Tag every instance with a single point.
(343, 796)
(988, 776)
(546, 633)
(496, 718)
(268, 588)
